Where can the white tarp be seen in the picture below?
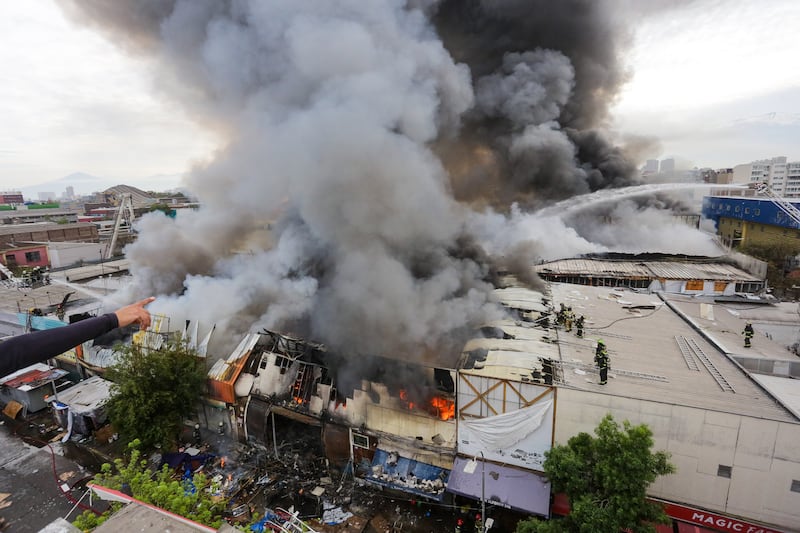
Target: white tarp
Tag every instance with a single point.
(502, 432)
(518, 438)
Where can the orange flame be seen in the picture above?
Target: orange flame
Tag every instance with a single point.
(404, 398)
(444, 407)
(222, 462)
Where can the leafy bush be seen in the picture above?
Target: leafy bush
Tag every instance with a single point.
(153, 391)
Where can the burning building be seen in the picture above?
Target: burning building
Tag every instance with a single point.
(395, 426)
(406, 426)
(405, 148)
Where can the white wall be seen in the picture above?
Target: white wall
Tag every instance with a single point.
(741, 173)
(67, 254)
(764, 455)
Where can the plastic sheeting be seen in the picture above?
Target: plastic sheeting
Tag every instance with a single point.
(504, 431)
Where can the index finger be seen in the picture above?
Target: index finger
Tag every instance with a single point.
(142, 303)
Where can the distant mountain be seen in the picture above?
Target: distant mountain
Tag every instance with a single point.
(84, 184)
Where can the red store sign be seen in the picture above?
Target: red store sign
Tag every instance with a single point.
(719, 522)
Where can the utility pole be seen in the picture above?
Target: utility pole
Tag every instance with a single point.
(483, 492)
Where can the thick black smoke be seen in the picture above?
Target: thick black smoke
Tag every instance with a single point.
(350, 132)
(545, 73)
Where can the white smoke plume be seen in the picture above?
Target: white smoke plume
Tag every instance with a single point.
(328, 211)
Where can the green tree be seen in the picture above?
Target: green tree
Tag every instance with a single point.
(187, 498)
(777, 256)
(606, 479)
(153, 391)
(164, 208)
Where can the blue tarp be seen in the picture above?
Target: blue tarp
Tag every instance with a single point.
(39, 322)
(176, 459)
(408, 475)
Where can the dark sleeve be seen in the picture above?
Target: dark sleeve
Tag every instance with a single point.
(24, 350)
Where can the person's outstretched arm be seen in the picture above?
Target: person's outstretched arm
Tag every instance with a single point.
(24, 350)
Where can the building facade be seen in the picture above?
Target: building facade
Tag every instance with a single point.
(27, 256)
(11, 235)
(742, 221)
(781, 175)
(11, 198)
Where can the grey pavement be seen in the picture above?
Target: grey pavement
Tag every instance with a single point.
(35, 482)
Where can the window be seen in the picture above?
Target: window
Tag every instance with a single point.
(283, 362)
(694, 285)
(758, 212)
(360, 441)
(795, 485)
(746, 210)
(32, 257)
(11, 259)
(724, 471)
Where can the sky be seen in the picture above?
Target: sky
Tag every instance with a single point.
(712, 82)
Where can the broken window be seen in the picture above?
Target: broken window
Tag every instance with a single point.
(444, 380)
(283, 363)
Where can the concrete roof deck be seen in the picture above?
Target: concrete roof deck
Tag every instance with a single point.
(643, 341)
(727, 320)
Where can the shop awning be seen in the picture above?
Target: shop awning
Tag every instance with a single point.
(391, 470)
(511, 488)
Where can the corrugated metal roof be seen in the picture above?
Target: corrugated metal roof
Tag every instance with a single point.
(646, 269)
(515, 357)
(705, 271)
(87, 395)
(12, 229)
(592, 266)
(223, 369)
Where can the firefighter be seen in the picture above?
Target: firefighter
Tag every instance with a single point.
(569, 316)
(561, 315)
(748, 334)
(579, 325)
(601, 360)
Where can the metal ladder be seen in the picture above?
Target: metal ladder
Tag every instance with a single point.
(606, 334)
(629, 373)
(712, 369)
(642, 375)
(686, 352)
(292, 525)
